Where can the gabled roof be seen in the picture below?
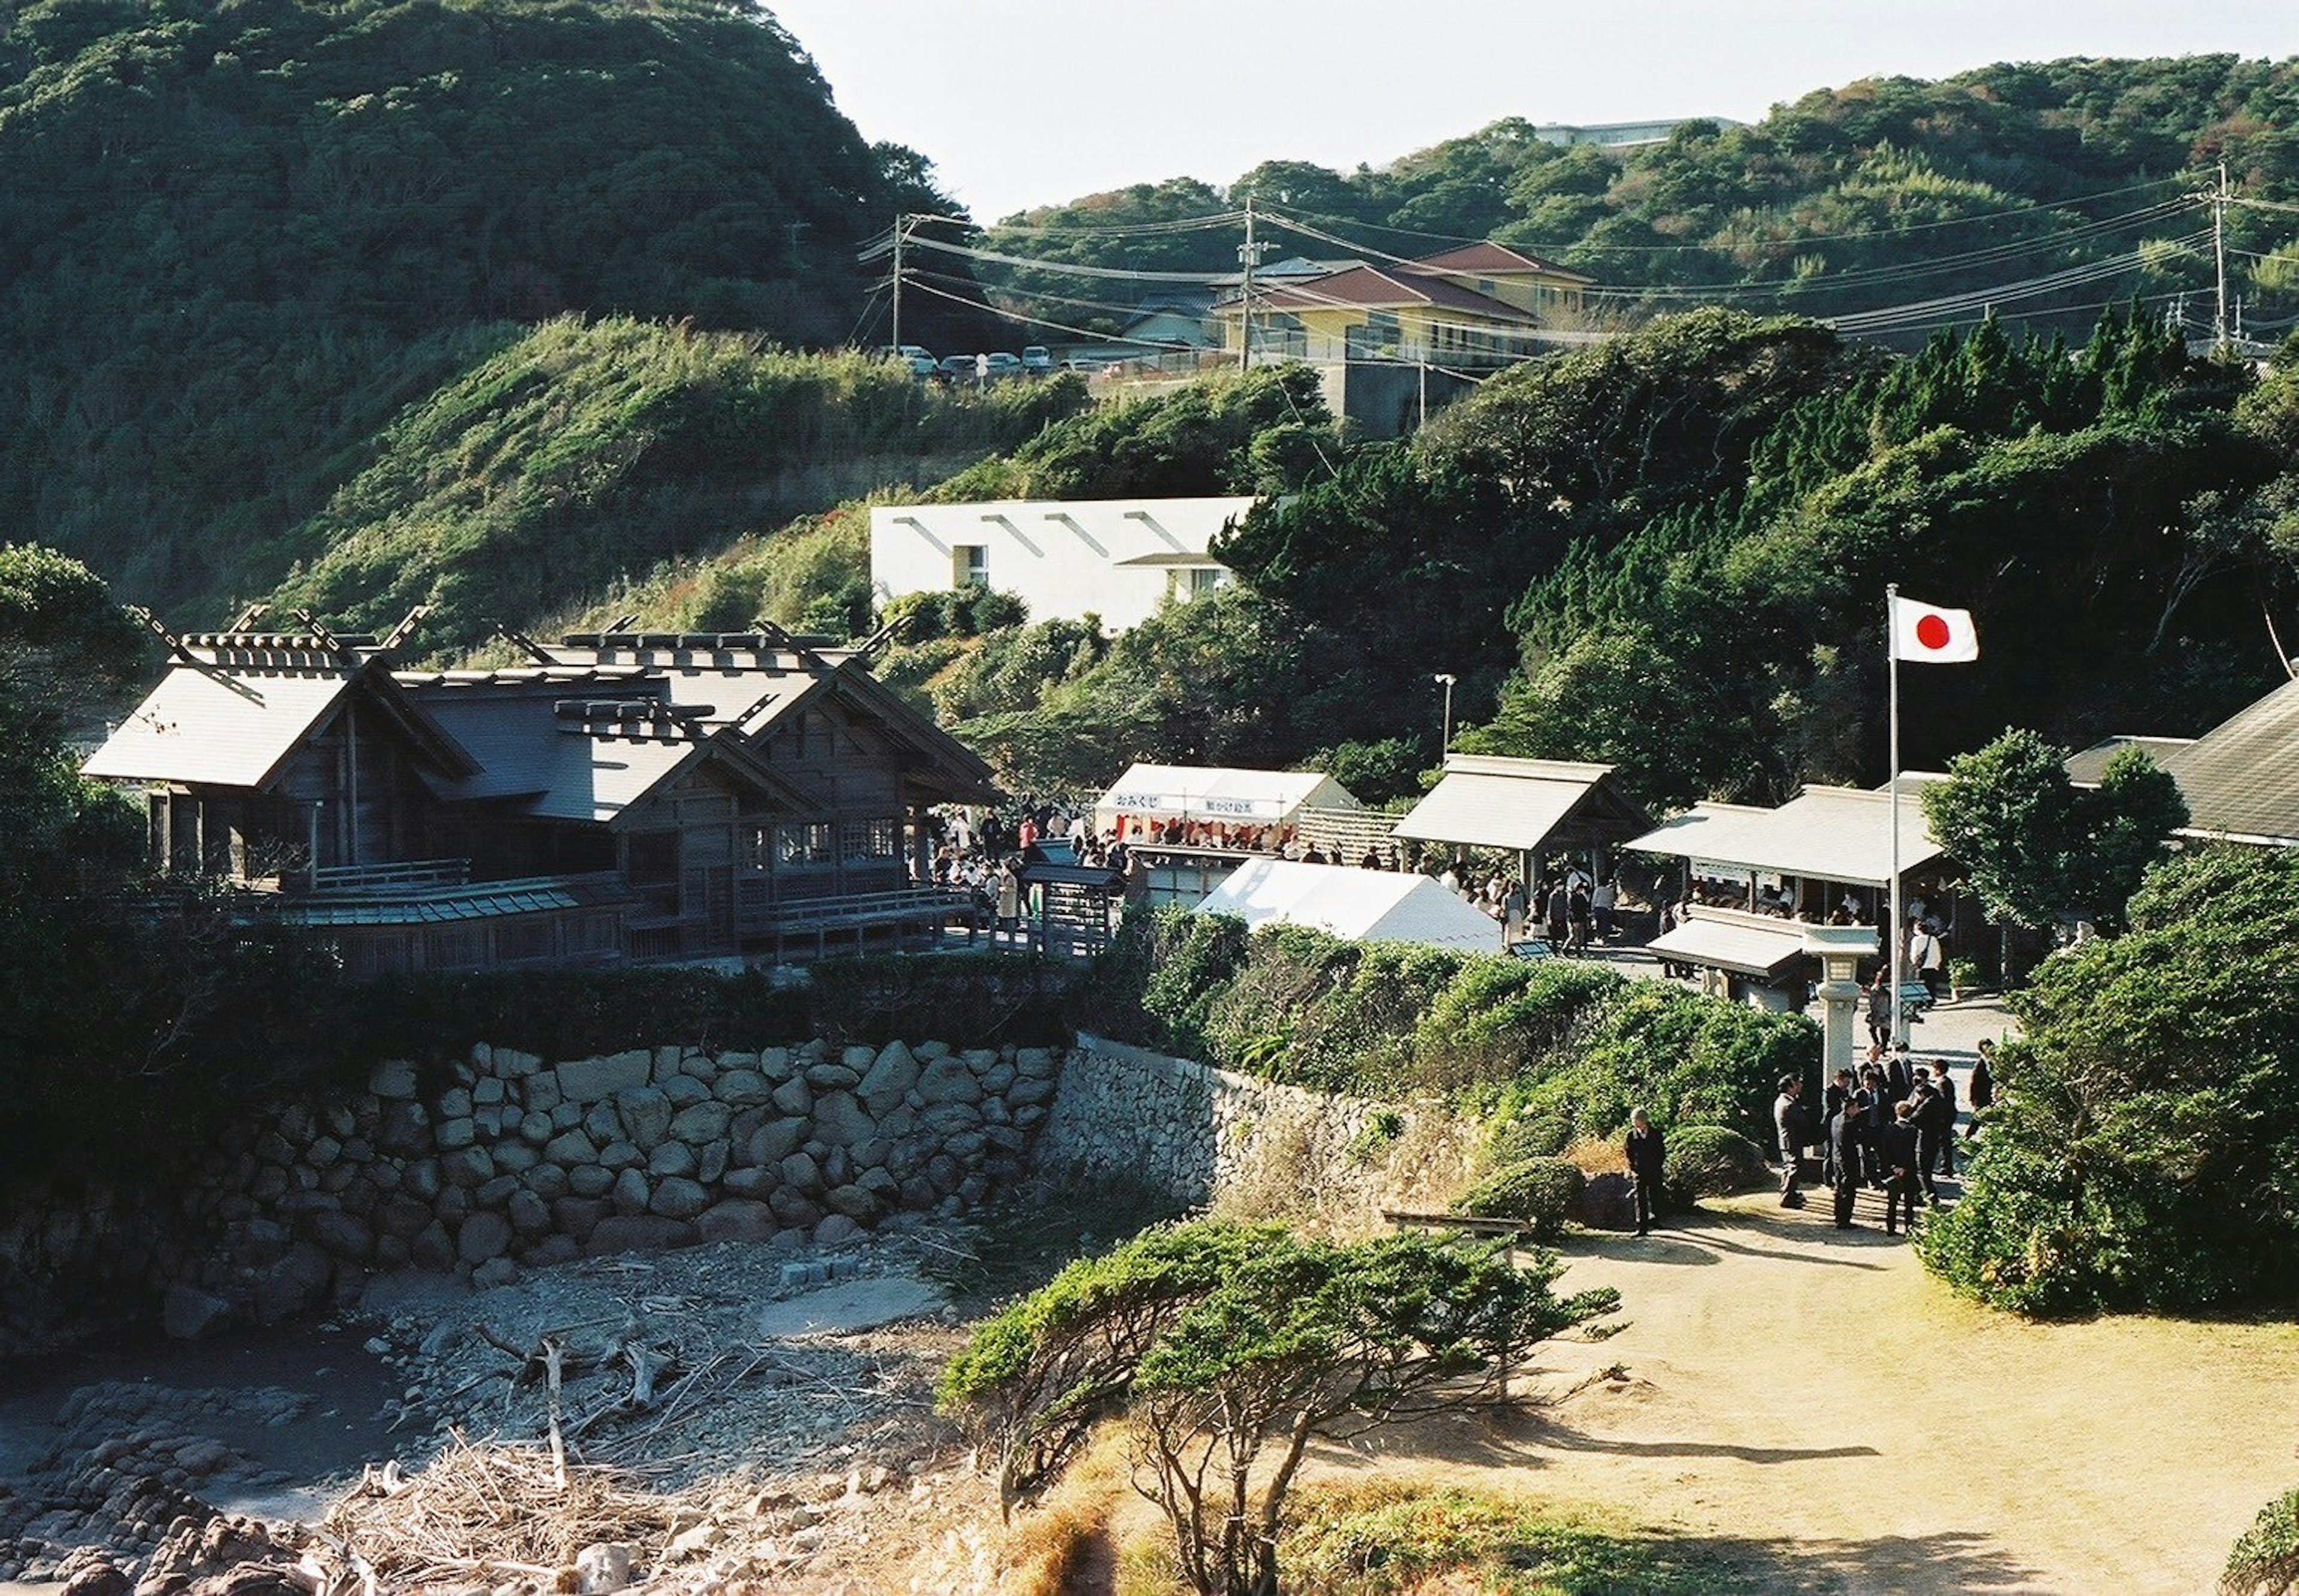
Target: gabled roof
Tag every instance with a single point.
(2241, 778)
(1829, 834)
(2086, 766)
(1361, 905)
(230, 711)
(1488, 259)
(1487, 802)
(1374, 288)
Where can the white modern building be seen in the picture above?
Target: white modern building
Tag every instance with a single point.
(1117, 559)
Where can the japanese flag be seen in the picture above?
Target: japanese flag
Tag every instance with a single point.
(1930, 635)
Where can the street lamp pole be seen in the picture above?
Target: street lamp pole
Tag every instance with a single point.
(1445, 743)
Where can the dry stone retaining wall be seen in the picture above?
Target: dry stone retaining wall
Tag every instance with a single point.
(506, 1159)
(1204, 1138)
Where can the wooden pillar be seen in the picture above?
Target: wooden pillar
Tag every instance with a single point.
(199, 837)
(166, 815)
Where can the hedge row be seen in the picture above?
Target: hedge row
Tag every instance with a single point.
(1563, 1048)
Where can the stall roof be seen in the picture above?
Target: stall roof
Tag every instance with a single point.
(1747, 950)
(1361, 905)
(2241, 778)
(1828, 834)
(1202, 792)
(1524, 805)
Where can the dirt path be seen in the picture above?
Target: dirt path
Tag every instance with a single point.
(1811, 1396)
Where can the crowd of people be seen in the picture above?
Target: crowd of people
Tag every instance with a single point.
(1890, 1127)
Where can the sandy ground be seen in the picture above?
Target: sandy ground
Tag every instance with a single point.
(1810, 1402)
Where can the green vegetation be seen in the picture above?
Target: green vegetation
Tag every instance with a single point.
(1221, 1346)
(1707, 1160)
(242, 238)
(1825, 204)
(1544, 1192)
(2141, 1151)
(2265, 1562)
(584, 451)
(2034, 847)
(1561, 1050)
(1388, 1540)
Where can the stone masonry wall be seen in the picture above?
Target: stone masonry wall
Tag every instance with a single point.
(1205, 1137)
(507, 1160)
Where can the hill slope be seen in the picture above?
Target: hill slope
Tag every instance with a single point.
(235, 239)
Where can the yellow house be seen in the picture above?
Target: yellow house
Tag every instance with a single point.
(1479, 305)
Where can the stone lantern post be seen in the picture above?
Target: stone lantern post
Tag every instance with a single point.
(1840, 950)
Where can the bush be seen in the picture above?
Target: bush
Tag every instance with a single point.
(1544, 1192)
(2144, 1153)
(1707, 1160)
(2265, 1562)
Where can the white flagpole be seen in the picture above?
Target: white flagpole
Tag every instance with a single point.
(1892, 655)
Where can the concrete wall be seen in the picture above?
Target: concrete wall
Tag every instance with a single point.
(1065, 560)
(1204, 1138)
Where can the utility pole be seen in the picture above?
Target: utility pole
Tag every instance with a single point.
(1248, 255)
(1445, 742)
(901, 223)
(2218, 257)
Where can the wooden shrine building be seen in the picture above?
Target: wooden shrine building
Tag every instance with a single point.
(621, 795)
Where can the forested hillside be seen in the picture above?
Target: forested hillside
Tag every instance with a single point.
(1885, 193)
(236, 240)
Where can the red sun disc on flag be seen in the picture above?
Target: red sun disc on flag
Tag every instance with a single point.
(1932, 632)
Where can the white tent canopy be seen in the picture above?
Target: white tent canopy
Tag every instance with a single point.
(1225, 796)
(1361, 905)
(1824, 834)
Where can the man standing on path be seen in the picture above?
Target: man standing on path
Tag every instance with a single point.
(1648, 1156)
(1944, 1083)
(1788, 1120)
(1879, 1008)
(1844, 1136)
(1899, 1169)
(1928, 1112)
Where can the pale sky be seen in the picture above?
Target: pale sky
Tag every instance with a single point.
(1021, 103)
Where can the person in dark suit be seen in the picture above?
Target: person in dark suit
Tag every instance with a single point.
(1928, 1112)
(1789, 1122)
(1844, 1137)
(1982, 1097)
(1944, 1083)
(1648, 1157)
(1899, 1154)
(1898, 1079)
(1875, 1112)
(1831, 1104)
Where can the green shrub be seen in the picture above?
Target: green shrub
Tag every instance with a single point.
(2265, 1562)
(1525, 1133)
(2142, 1154)
(1544, 1192)
(1707, 1160)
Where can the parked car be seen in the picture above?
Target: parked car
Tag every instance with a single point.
(1037, 359)
(923, 365)
(957, 367)
(1003, 366)
(904, 352)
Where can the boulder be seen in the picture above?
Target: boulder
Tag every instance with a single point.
(455, 1103)
(187, 1313)
(484, 1236)
(529, 1215)
(698, 1064)
(840, 1120)
(434, 1250)
(547, 1181)
(640, 1232)
(950, 1081)
(297, 1282)
(601, 1568)
(488, 1092)
(711, 1162)
(535, 1126)
(801, 1174)
(889, 1079)
(776, 1139)
(404, 1128)
(571, 1149)
(702, 1124)
(673, 1158)
(1038, 1063)
(596, 1080)
(458, 1132)
(469, 1166)
(794, 1210)
(645, 1115)
(748, 1182)
(590, 1180)
(578, 1216)
(737, 1219)
(516, 1157)
(494, 1272)
(339, 1233)
(552, 1249)
(835, 1230)
(685, 1091)
(632, 1194)
(619, 1155)
(853, 1201)
(833, 1078)
(743, 1088)
(602, 1124)
(675, 1197)
(794, 1096)
(394, 1081)
(541, 1092)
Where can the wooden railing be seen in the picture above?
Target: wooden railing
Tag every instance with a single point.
(922, 910)
(389, 878)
